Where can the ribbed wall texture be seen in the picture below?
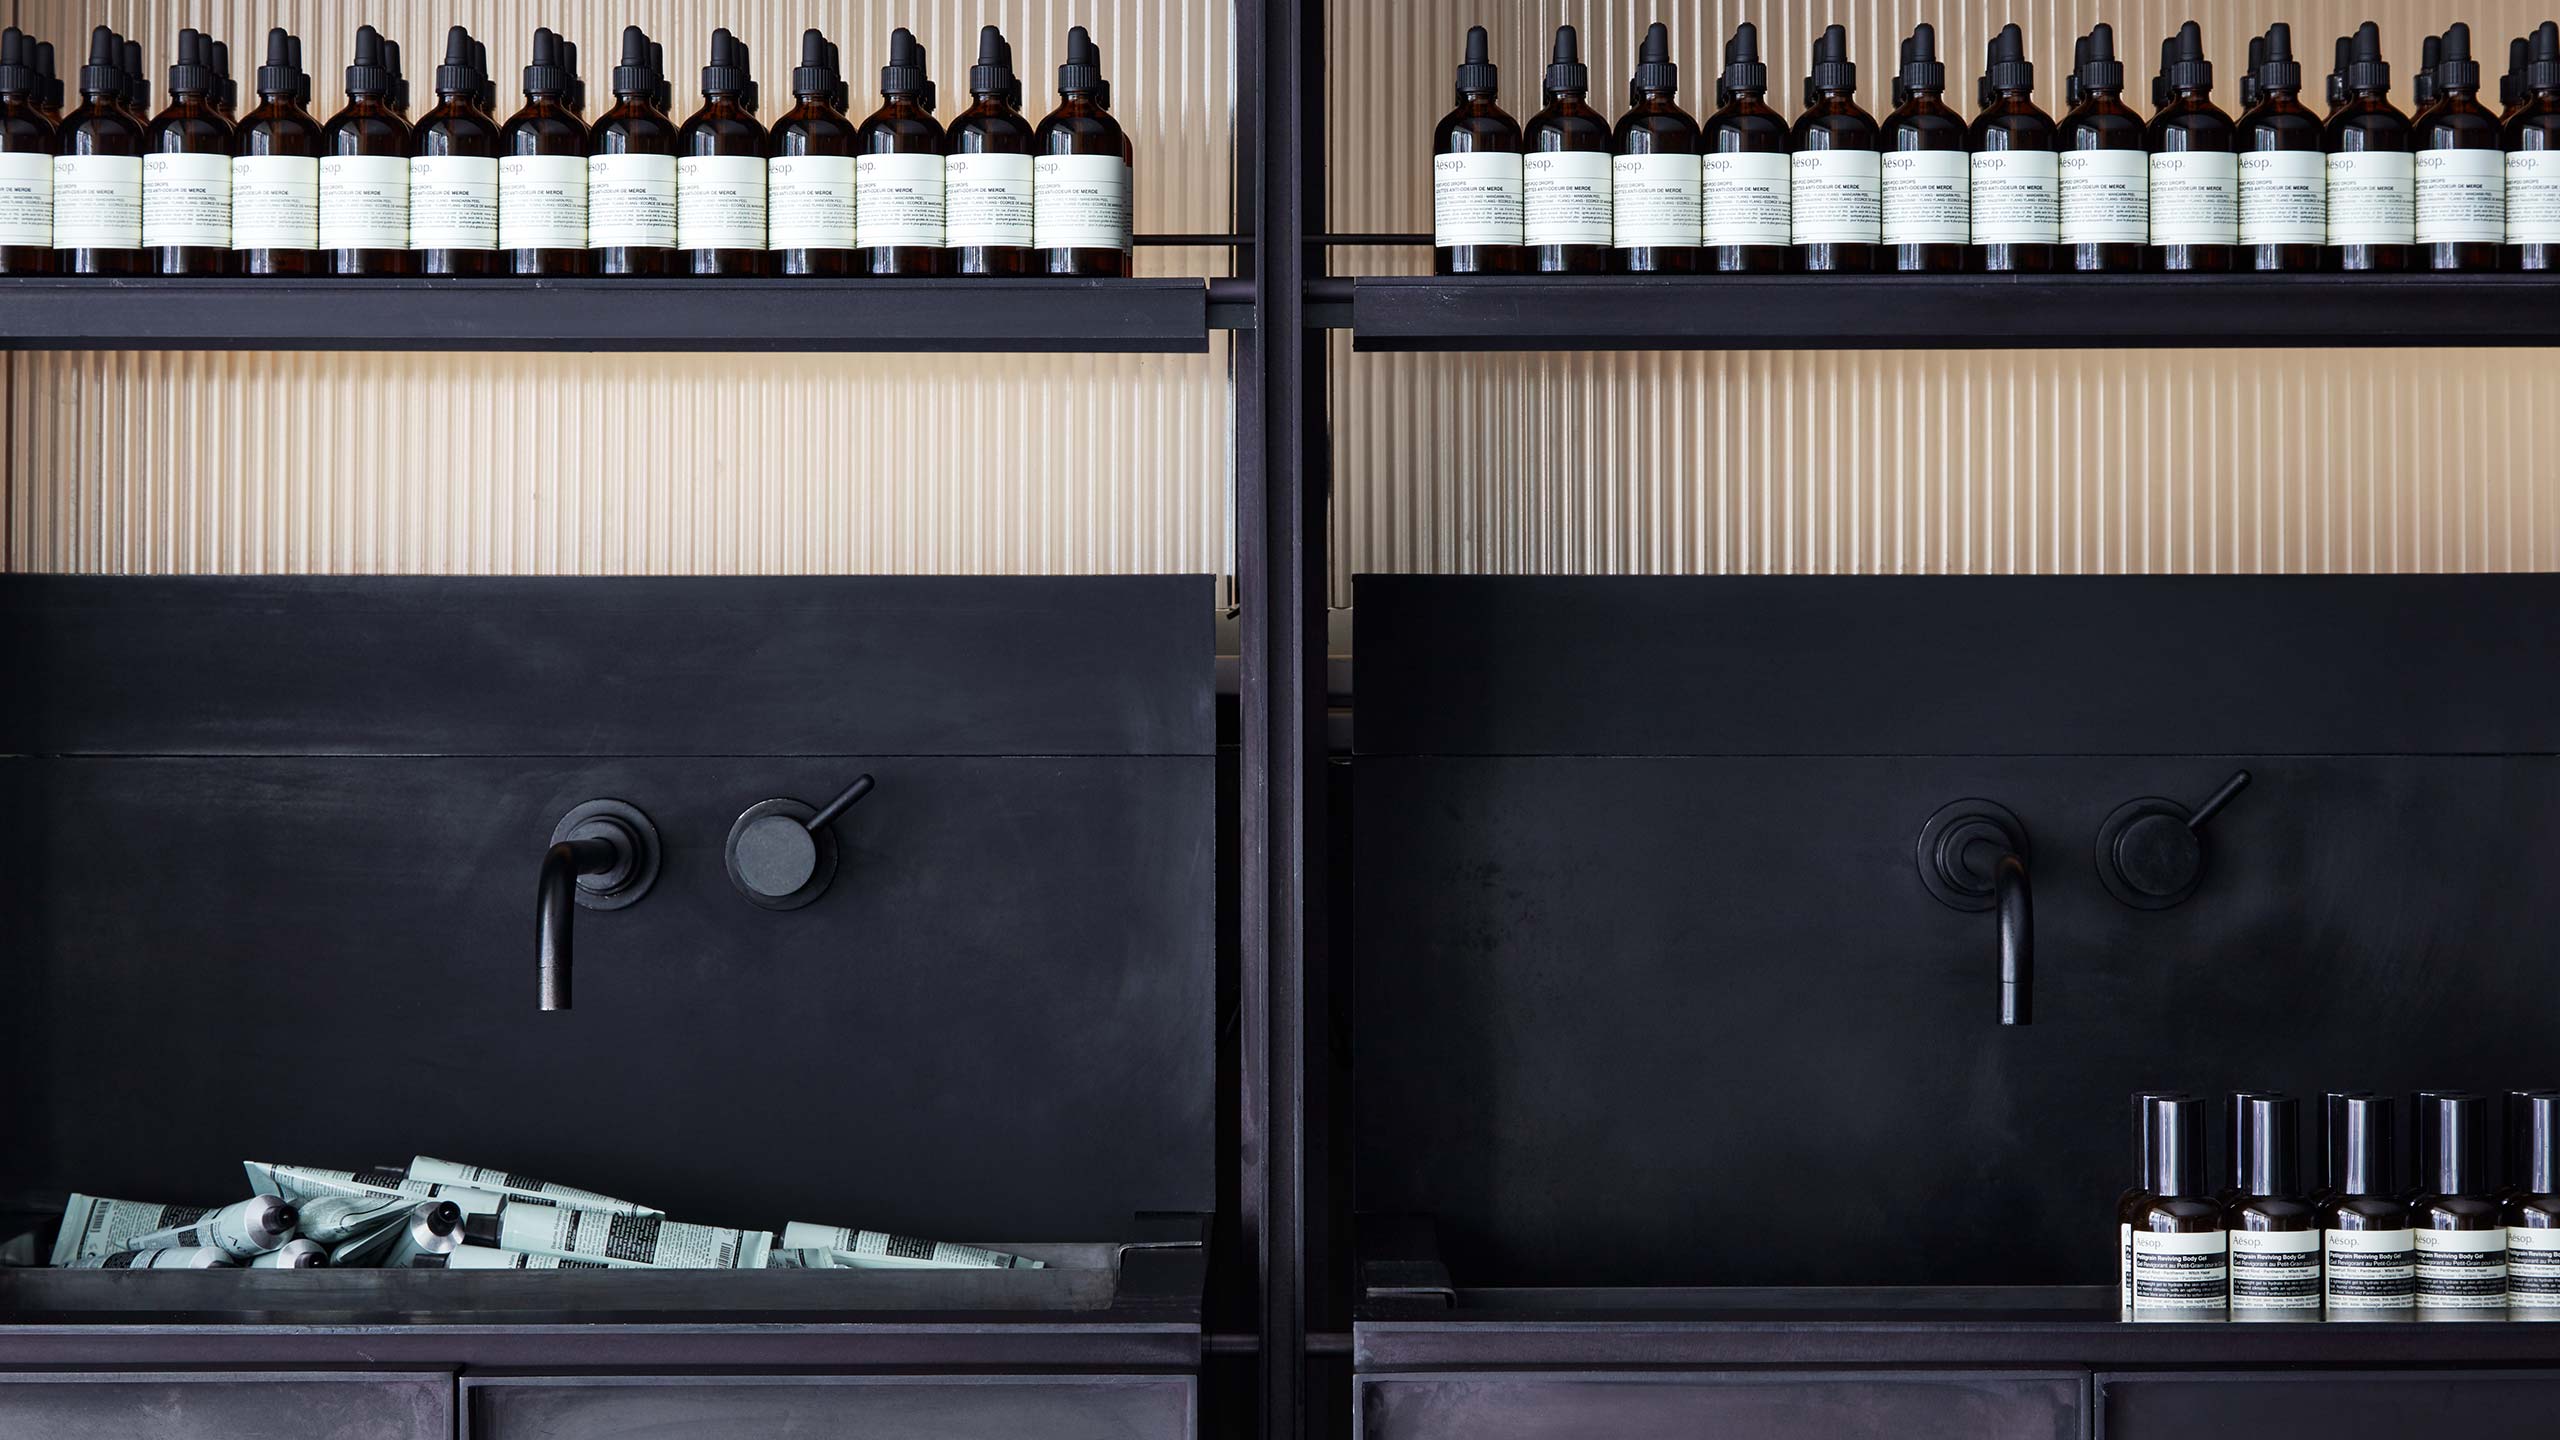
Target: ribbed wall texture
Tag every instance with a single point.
(1891, 463)
(685, 464)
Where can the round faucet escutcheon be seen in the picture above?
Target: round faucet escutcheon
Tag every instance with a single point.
(781, 853)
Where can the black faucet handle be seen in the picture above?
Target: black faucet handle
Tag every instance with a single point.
(782, 853)
(862, 786)
(2205, 812)
(2151, 850)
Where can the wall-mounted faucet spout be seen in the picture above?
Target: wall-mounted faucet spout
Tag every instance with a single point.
(603, 856)
(1973, 856)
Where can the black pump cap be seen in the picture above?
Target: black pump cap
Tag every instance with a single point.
(1832, 68)
(1744, 74)
(634, 78)
(1478, 72)
(993, 74)
(2177, 1146)
(2366, 69)
(2457, 72)
(2009, 68)
(903, 76)
(2453, 1140)
(2535, 1167)
(2268, 1153)
(2187, 68)
(1083, 68)
(1654, 70)
(104, 74)
(2542, 68)
(813, 78)
(1565, 70)
(2101, 70)
(549, 72)
(727, 72)
(2145, 1122)
(458, 76)
(2238, 1122)
(367, 76)
(2363, 1135)
(1922, 72)
(193, 74)
(2279, 72)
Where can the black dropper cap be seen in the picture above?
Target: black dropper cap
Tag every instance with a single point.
(281, 76)
(2101, 71)
(1832, 68)
(1565, 70)
(752, 94)
(2453, 1140)
(813, 78)
(2457, 71)
(457, 76)
(1654, 70)
(46, 79)
(137, 78)
(1083, 70)
(103, 74)
(2422, 86)
(2269, 1155)
(226, 91)
(399, 96)
(665, 96)
(2188, 69)
(1478, 72)
(932, 95)
(2249, 86)
(840, 95)
(2362, 1137)
(2177, 1147)
(368, 76)
(2542, 71)
(633, 78)
(487, 93)
(727, 72)
(549, 72)
(2072, 94)
(2510, 85)
(576, 94)
(2536, 1168)
(193, 74)
(2337, 91)
(2160, 77)
(302, 86)
(2279, 72)
(2009, 68)
(903, 76)
(993, 74)
(2366, 69)
(1744, 74)
(1922, 72)
(18, 79)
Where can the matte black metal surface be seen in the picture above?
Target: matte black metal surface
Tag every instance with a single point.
(1969, 312)
(831, 1408)
(2141, 665)
(482, 666)
(234, 1406)
(2476, 1405)
(1169, 316)
(1764, 1406)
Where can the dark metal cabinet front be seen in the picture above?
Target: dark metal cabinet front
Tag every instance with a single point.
(2335, 1405)
(112, 1405)
(1765, 1406)
(874, 1407)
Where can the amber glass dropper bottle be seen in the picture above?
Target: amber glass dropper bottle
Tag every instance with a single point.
(2372, 180)
(631, 172)
(1748, 185)
(720, 172)
(2017, 210)
(2195, 176)
(2461, 164)
(97, 181)
(364, 172)
(1475, 174)
(186, 171)
(27, 143)
(2106, 183)
(1838, 174)
(2533, 159)
(275, 179)
(1928, 179)
(2284, 177)
(1085, 174)
(987, 182)
(1565, 181)
(453, 171)
(542, 170)
(1654, 176)
(812, 195)
(899, 171)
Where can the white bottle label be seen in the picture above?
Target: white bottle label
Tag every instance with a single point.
(97, 202)
(2370, 1270)
(26, 199)
(2017, 197)
(2276, 1273)
(186, 200)
(2185, 1274)
(811, 201)
(1564, 198)
(1839, 197)
(898, 200)
(1080, 202)
(542, 202)
(2533, 1268)
(1749, 198)
(986, 200)
(2462, 196)
(453, 202)
(1475, 199)
(720, 202)
(2533, 197)
(2284, 197)
(364, 202)
(2462, 1269)
(2372, 198)
(2195, 198)
(1928, 197)
(2124, 1266)
(631, 202)
(1653, 201)
(275, 202)
(2106, 197)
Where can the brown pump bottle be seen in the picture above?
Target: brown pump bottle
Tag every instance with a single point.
(1839, 216)
(2284, 184)
(2106, 198)
(900, 213)
(1085, 174)
(2274, 1233)
(2367, 1259)
(2372, 177)
(987, 180)
(542, 170)
(27, 140)
(2017, 214)
(2460, 160)
(631, 169)
(2461, 1232)
(720, 196)
(453, 174)
(364, 172)
(2533, 1207)
(186, 171)
(97, 181)
(1475, 174)
(2181, 1260)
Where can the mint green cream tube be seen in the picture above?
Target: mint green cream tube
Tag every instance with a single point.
(876, 1250)
(632, 1241)
(427, 1170)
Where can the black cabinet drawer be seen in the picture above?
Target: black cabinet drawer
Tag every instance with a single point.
(114, 1405)
(1766, 1406)
(2335, 1405)
(870, 1407)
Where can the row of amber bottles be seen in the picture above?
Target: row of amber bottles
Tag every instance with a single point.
(199, 190)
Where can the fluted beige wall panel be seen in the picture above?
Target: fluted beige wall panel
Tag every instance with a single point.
(539, 465)
(1895, 463)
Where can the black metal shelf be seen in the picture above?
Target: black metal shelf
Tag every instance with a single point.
(1951, 312)
(1169, 316)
